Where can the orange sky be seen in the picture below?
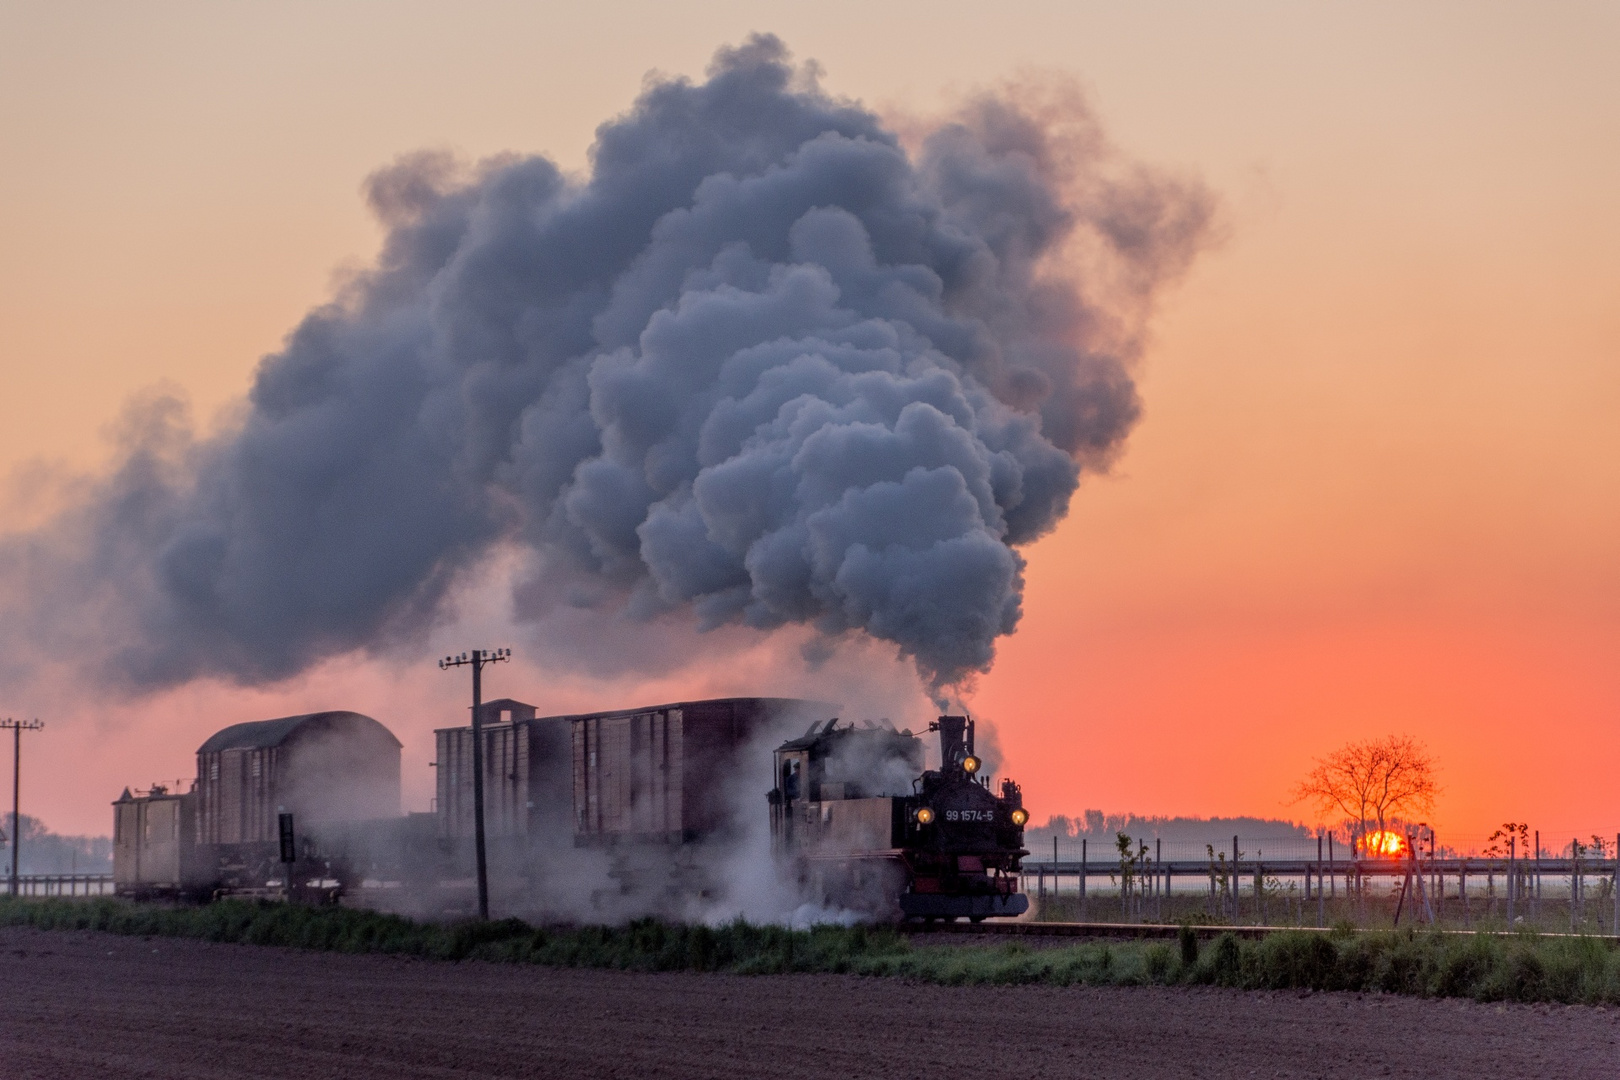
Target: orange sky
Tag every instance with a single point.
(1377, 483)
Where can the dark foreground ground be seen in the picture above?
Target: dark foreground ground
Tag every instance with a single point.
(98, 1005)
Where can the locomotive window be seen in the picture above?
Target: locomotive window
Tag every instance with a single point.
(258, 766)
(790, 779)
(213, 769)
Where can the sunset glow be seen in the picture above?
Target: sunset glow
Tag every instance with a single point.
(1375, 486)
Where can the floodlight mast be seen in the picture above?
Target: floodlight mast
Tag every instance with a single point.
(17, 728)
(476, 660)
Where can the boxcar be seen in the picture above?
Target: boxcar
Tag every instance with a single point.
(526, 774)
(330, 770)
(663, 773)
(322, 767)
(659, 773)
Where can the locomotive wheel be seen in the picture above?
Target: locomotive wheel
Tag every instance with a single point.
(976, 919)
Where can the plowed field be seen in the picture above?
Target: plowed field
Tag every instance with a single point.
(93, 1005)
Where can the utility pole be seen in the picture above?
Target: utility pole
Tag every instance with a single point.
(17, 728)
(476, 660)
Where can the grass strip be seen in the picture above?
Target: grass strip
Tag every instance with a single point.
(1521, 968)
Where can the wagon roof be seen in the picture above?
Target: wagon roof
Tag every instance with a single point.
(260, 734)
(796, 703)
(503, 703)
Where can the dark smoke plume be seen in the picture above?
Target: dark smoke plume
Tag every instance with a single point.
(763, 365)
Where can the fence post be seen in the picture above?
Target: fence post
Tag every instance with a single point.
(1158, 864)
(1437, 885)
(1237, 913)
(1124, 901)
(1614, 927)
(1333, 870)
(1259, 887)
(1574, 879)
(1084, 872)
(1321, 903)
(1512, 861)
(1437, 880)
(1462, 891)
(1361, 892)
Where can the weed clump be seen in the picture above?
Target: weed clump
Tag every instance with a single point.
(1188, 941)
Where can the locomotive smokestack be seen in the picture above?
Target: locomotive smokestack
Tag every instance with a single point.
(953, 740)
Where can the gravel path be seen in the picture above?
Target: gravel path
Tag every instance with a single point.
(97, 1005)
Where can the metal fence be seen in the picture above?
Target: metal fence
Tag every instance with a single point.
(1294, 879)
(59, 885)
(1102, 850)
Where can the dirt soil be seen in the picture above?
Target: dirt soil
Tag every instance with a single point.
(97, 1005)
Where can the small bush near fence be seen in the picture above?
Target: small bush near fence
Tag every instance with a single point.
(1484, 967)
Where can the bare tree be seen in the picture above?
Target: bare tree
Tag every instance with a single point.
(1370, 782)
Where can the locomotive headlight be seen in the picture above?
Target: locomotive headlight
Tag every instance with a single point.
(924, 815)
(970, 764)
(1019, 816)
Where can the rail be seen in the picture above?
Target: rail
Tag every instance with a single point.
(59, 885)
(1034, 929)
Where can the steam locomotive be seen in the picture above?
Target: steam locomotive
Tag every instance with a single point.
(947, 848)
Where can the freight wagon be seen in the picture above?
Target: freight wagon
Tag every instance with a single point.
(526, 775)
(647, 787)
(330, 770)
(668, 773)
(660, 773)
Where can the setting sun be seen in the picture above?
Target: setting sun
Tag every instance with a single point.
(1382, 843)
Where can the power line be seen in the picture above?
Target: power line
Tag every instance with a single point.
(476, 660)
(17, 728)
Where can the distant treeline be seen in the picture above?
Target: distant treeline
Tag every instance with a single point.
(1098, 826)
(45, 852)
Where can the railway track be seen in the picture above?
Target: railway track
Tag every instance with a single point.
(1031, 928)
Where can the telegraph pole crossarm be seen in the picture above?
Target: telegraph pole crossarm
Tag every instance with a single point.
(476, 660)
(17, 727)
